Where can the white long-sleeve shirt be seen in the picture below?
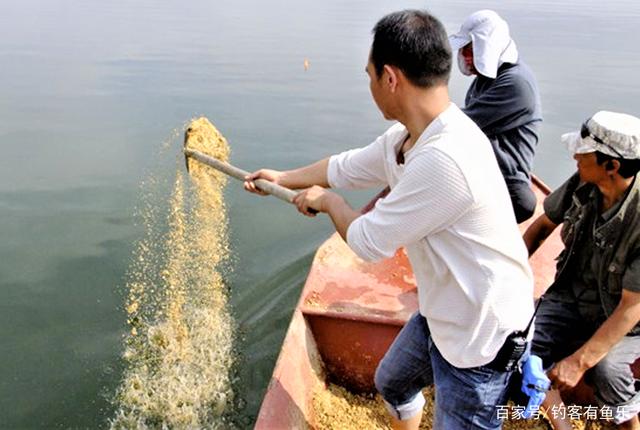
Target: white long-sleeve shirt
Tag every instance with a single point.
(449, 207)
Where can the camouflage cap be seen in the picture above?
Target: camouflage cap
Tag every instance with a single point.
(614, 134)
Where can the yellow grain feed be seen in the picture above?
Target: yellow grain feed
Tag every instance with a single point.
(179, 351)
(337, 409)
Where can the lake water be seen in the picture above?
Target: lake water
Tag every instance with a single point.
(90, 90)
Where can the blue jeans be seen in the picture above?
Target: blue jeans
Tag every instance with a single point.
(561, 330)
(465, 398)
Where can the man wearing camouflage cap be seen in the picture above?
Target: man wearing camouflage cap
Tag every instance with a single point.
(589, 321)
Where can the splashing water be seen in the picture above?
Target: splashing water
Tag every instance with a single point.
(180, 349)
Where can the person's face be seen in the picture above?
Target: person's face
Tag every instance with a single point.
(467, 55)
(588, 167)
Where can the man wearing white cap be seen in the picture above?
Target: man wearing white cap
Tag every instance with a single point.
(502, 100)
(589, 321)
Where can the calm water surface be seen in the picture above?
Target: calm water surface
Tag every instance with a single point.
(89, 90)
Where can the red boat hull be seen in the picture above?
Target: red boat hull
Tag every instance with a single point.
(348, 314)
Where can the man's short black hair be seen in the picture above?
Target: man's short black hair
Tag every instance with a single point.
(628, 168)
(415, 42)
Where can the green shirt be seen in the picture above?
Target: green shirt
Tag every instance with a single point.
(581, 268)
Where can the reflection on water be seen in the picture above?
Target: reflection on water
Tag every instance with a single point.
(90, 90)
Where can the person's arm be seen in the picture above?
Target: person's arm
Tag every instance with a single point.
(568, 372)
(431, 195)
(357, 168)
(304, 177)
(555, 205)
(342, 215)
(537, 232)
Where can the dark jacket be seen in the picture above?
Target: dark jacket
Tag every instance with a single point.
(508, 110)
(618, 239)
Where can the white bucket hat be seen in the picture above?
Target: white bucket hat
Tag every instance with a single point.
(492, 44)
(614, 134)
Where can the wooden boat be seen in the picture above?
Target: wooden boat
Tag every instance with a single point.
(348, 314)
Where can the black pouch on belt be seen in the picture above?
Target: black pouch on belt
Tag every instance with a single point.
(514, 347)
(511, 352)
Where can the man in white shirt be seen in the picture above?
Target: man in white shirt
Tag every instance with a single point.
(449, 207)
